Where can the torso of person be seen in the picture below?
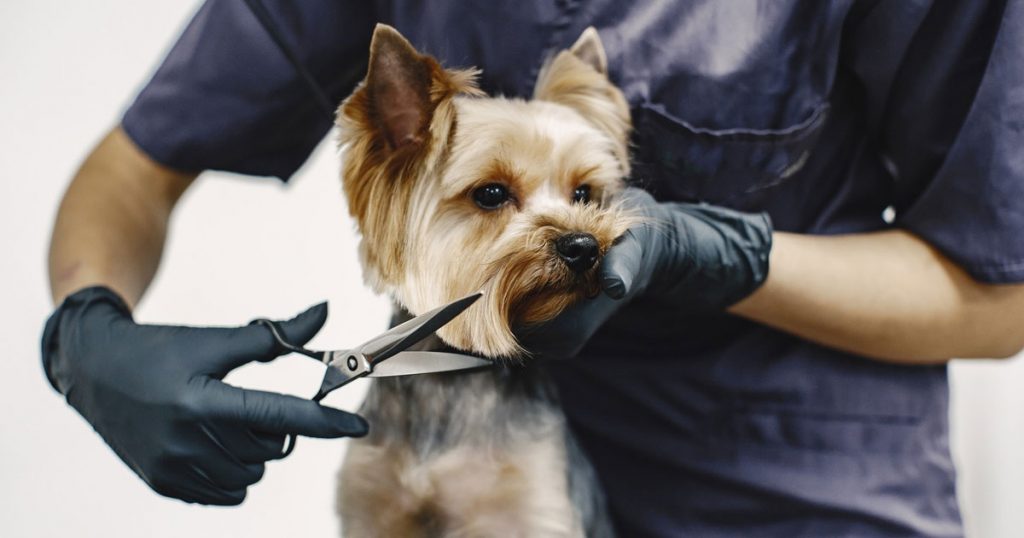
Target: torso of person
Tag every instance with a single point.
(833, 117)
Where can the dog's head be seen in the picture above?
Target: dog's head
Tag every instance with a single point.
(454, 192)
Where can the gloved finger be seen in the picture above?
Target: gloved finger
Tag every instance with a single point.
(565, 336)
(231, 477)
(222, 498)
(269, 445)
(621, 265)
(191, 484)
(253, 447)
(200, 488)
(282, 414)
(229, 348)
(220, 461)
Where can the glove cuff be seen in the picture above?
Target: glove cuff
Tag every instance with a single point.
(725, 257)
(76, 302)
(755, 250)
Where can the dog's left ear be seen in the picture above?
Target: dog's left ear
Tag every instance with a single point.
(590, 50)
(578, 78)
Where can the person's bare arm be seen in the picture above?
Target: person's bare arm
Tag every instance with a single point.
(887, 295)
(112, 222)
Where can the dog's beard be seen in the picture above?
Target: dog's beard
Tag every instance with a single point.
(519, 271)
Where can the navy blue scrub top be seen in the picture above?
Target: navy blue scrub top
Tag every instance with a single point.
(823, 114)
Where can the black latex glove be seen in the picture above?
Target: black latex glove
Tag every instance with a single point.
(154, 393)
(693, 257)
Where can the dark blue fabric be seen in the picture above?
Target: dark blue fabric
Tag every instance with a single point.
(823, 114)
(226, 98)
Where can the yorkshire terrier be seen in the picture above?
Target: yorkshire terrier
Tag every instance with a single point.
(454, 192)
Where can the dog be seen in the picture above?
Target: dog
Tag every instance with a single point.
(453, 192)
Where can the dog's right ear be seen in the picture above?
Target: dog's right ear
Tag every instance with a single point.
(403, 91)
(398, 86)
(392, 128)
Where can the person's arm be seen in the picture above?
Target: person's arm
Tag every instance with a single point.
(155, 393)
(112, 222)
(886, 295)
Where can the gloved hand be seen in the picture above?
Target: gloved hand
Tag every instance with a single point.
(155, 395)
(694, 257)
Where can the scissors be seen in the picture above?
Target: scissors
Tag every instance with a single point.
(385, 355)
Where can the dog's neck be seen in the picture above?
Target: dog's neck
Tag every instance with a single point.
(430, 343)
(432, 411)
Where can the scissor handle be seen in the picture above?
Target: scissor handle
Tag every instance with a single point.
(282, 344)
(289, 445)
(344, 366)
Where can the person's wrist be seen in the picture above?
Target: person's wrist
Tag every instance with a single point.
(755, 253)
(72, 305)
(717, 257)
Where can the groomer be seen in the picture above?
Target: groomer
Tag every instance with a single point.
(843, 184)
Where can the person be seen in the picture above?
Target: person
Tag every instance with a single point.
(792, 385)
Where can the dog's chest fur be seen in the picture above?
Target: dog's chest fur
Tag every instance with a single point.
(476, 453)
(479, 453)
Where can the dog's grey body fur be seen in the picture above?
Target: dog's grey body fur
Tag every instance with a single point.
(484, 410)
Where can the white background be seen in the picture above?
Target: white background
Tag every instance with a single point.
(67, 70)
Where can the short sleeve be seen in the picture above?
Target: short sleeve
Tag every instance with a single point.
(944, 88)
(226, 97)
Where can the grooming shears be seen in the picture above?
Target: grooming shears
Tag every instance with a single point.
(385, 355)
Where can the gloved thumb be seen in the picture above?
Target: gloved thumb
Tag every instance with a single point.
(621, 265)
(232, 348)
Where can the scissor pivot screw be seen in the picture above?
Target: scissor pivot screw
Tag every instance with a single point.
(353, 364)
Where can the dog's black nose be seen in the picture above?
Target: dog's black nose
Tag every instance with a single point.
(578, 250)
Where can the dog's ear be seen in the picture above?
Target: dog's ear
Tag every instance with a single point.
(398, 87)
(392, 128)
(397, 105)
(578, 78)
(590, 50)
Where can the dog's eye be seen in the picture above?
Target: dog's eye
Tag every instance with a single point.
(491, 196)
(581, 195)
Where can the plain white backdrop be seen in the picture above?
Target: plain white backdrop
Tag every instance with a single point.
(243, 248)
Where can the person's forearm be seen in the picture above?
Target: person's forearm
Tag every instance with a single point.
(112, 222)
(886, 295)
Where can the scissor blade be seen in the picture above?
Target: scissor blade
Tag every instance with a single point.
(333, 379)
(405, 335)
(426, 362)
(337, 375)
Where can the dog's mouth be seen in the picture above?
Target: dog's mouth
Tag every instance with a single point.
(518, 295)
(534, 283)
(549, 297)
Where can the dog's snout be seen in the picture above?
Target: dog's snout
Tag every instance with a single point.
(578, 250)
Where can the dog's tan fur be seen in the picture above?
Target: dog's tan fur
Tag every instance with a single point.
(417, 141)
